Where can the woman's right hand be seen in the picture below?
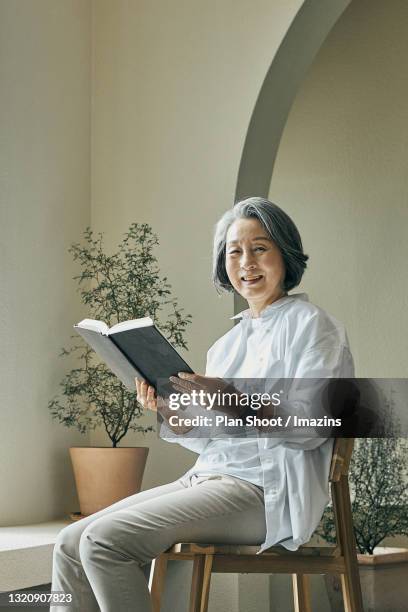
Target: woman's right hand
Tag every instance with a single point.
(146, 395)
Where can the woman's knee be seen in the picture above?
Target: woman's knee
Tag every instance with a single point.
(101, 534)
(109, 537)
(67, 543)
(90, 536)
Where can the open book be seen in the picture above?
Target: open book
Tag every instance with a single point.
(133, 349)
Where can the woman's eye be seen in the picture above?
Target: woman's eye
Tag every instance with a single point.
(233, 252)
(260, 248)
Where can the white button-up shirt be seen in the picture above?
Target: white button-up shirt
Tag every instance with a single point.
(291, 338)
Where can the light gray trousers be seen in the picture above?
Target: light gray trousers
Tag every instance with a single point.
(102, 559)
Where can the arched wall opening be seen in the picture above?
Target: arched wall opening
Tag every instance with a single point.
(339, 169)
(289, 66)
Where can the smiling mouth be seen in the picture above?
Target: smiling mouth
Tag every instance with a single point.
(251, 280)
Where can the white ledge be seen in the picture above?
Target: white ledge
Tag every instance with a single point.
(26, 554)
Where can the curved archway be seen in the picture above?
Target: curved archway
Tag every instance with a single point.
(305, 36)
(303, 39)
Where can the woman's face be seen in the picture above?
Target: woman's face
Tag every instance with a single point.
(254, 264)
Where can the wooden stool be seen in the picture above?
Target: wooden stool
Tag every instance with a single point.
(341, 559)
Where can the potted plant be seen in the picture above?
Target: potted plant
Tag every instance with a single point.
(118, 287)
(378, 484)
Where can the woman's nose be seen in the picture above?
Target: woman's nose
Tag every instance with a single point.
(247, 261)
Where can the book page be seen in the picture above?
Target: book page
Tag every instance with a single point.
(133, 324)
(94, 325)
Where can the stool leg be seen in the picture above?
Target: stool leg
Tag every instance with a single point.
(197, 583)
(350, 580)
(206, 582)
(158, 582)
(350, 586)
(301, 593)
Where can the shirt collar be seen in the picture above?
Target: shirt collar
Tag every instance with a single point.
(246, 314)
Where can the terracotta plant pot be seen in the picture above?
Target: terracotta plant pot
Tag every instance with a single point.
(103, 476)
(383, 578)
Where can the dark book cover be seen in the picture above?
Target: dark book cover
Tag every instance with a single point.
(150, 353)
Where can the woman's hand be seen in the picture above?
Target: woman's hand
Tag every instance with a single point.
(186, 382)
(146, 395)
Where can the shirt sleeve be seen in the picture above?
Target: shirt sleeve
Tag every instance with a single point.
(188, 440)
(320, 352)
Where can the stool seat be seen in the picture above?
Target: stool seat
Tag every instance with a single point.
(307, 559)
(189, 549)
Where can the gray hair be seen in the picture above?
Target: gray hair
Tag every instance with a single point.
(279, 228)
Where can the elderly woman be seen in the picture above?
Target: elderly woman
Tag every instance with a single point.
(254, 490)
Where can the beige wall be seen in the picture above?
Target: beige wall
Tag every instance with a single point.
(45, 194)
(171, 89)
(341, 172)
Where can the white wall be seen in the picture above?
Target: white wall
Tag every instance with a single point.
(341, 172)
(45, 203)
